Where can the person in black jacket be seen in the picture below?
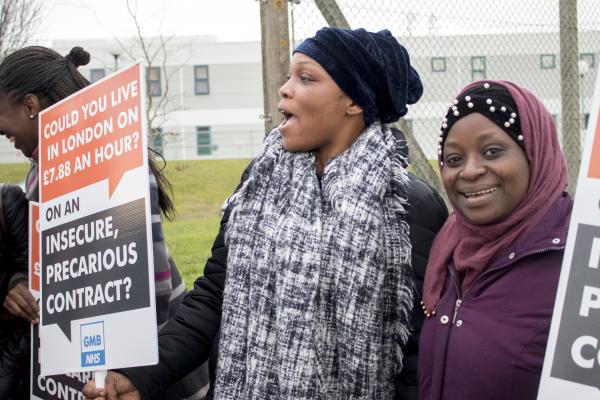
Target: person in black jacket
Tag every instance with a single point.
(189, 338)
(14, 257)
(427, 212)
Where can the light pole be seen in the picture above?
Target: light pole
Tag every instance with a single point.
(293, 5)
(116, 57)
(115, 50)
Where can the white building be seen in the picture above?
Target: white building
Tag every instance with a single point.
(214, 100)
(213, 94)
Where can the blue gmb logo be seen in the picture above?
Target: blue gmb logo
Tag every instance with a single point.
(92, 344)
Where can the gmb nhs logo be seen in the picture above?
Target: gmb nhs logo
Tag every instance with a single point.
(92, 344)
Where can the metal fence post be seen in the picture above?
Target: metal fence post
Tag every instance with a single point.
(425, 172)
(569, 86)
(332, 13)
(335, 17)
(275, 45)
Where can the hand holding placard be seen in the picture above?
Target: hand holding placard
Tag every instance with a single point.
(20, 303)
(117, 386)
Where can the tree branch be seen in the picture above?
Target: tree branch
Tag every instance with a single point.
(18, 22)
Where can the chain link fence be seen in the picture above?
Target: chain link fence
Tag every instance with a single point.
(208, 143)
(199, 144)
(454, 43)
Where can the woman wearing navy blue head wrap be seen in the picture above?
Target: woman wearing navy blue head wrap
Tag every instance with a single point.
(319, 287)
(313, 307)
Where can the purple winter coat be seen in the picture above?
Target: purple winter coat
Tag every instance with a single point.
(490, 344)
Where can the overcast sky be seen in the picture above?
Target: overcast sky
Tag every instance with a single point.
(238, 20)
(229, 20)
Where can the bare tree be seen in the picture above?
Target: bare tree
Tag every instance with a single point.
(18, 20)
(154, 52)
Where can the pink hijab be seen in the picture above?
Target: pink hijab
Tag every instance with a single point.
(472, 247)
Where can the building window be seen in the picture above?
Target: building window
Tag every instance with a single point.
(588, 58)
(438, 64)
(547, 61)
(97, 74)
(201, 79)
(154, 84)
(478, 68)
(158, 142)
(586, 120)
(203, 141)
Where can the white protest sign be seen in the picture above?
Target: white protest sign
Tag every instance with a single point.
(572, 362)
(97, 285)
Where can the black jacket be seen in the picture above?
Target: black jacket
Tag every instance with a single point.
(190, 338)
(427, 213)
(14, 260)
(14, 234)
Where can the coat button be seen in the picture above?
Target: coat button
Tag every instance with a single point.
(458, 323)
(444, 319)
(556, 240)
(511, 255)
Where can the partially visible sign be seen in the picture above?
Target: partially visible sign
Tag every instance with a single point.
(34, 248)
(594, 169)
(572, 362)
(56, 387)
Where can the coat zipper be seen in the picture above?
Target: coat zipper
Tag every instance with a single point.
(546, 249)
(456, 307)
(458, 300)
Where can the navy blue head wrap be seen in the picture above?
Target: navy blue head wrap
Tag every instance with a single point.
(373, 69)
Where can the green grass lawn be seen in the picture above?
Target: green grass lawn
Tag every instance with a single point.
(199, 189)
(13, 173)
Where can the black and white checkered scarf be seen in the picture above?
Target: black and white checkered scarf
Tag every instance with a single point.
(319, 284)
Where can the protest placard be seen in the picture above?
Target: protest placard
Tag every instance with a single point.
(97, 281)
(572, 362)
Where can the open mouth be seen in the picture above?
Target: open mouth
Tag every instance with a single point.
(286, 115)
(480, 192)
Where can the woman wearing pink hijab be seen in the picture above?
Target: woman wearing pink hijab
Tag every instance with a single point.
(494, 267)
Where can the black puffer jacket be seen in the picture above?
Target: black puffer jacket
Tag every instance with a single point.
(427, 213)
(189, 339)
(14, 259)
